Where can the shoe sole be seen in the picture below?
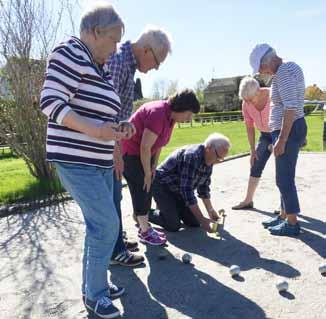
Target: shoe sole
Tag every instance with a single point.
(115, 263)
(151, 243)
(111, 316)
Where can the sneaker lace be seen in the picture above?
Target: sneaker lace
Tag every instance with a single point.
(154, 233)
(113, 286)
(105, 302)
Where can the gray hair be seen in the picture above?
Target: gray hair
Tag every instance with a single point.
(268, 57)
(217, 140)
(248, 87)
(155, 38)
(102, 15)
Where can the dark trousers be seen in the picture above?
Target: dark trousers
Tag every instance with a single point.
(172, 209)
(134, 175)
(286, 165)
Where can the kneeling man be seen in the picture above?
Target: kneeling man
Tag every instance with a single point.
(184, 171)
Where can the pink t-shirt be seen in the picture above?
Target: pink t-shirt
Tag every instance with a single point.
(156, 117)
(253, 117)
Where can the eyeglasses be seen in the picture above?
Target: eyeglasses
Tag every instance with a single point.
(157, 63)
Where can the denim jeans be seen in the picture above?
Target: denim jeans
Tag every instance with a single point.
(263, 154)
(117, 197)
(286, 166)
(92, 188)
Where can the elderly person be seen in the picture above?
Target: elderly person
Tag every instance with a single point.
(184, 171)
(255, 110)
(80, 101)
(288, 129)
(154, 123)
(148, 52)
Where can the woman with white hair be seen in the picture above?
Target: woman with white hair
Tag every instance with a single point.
(255, 110)
(80, 101)
(184, 171)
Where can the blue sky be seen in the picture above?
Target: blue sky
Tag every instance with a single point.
(214, 38)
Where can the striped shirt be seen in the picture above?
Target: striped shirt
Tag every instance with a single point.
(184, 171)
(122, 67)
(75, 82)
(288, 89)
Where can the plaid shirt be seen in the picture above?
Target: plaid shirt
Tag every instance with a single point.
(122, 68)
(184, 171)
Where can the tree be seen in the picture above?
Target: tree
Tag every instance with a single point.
(313, 92)
(159, 90)
(28, 31)
(199, 88)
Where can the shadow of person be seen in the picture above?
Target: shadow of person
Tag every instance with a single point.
(193, 293)
(228, 251)
(137, 301)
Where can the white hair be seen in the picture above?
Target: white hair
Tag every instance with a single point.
(268, 57)
(248, 87)
(155, 38)
(100, 14)
(217, 140)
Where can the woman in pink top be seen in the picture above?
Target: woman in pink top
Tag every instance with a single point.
(154, 124)
(255, 110)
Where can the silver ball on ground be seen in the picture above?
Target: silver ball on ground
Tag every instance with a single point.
(282, 285)
(186, 259)
(322, 269)
(235, 270)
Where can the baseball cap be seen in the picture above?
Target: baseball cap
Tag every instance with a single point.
(256, 55)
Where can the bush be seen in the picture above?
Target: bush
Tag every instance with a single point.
(138, 103)
(308, 108)
(211, 114)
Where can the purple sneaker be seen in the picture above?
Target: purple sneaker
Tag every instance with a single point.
(151, 237)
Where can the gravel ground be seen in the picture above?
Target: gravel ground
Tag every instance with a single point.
(40, 255)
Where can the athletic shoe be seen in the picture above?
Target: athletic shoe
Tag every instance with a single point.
(272, 222)
(103, 308)
(151, 237)
(285, 229)
(128, 259)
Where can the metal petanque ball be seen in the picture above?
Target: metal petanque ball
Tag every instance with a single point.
(235, 270)
(282, 285)
(186, 259)
(322, 269)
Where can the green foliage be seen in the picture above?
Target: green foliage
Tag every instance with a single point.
(137, 104)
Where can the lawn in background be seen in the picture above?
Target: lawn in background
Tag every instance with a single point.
(16, 183)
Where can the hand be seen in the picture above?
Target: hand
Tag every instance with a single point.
(108, 132)
(147, 182)
(118, 166)
(279, 147)
(253, 157)
(213, 215)
(205, 224)
(128, 128)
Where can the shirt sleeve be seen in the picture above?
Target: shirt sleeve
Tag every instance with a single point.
(287, 86)
(116, 72)
(246, 116)
(187, 172)
(204, 189)
(62, 79)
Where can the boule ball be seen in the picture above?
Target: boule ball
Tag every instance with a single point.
(186, 259)
(235, 270)
(282, 285)
(322, 269)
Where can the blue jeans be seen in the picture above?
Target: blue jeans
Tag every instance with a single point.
(92, 188)
(263, 154)
(286, 165)
(117, 197)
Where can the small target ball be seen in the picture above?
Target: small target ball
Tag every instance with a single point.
(322, 269)
(282, 285)
(186, 259)
(235, 270)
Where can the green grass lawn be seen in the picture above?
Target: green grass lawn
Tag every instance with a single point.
(16, 183)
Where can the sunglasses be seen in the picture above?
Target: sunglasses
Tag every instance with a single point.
(157, 63)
